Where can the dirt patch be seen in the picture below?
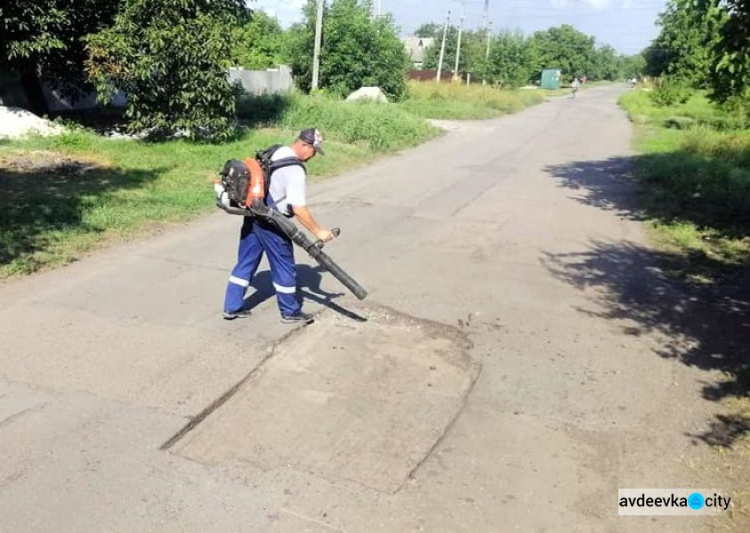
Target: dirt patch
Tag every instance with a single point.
(41, 161)
(344, 400)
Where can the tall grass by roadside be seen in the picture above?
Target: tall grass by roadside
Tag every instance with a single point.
(454, 101)
(383, 127)
(695, 163)
(379, 127)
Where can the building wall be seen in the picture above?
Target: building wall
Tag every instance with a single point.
(259, 82)
(252, 81)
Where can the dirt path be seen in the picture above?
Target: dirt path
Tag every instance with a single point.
(494, 381)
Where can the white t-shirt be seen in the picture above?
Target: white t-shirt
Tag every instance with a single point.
(288, 183)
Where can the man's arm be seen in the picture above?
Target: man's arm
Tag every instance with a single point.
(306, 219)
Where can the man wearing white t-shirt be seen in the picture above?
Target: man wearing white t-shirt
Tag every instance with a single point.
(286, 194)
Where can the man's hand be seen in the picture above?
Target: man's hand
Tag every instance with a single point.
(325, 235)
(307, 220)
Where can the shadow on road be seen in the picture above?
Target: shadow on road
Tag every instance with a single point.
(708, 324)
(709, 190)
(308, 283)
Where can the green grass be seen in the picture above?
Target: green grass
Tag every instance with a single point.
(64, 196)
(695, 163)
(459, 102)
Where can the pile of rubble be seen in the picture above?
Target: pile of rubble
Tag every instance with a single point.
(16, 123)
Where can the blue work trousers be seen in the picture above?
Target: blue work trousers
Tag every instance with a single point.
(256, 237)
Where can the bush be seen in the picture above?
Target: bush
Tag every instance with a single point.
(671, 92)
(705, 181)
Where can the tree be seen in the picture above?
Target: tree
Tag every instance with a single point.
(258, 44)
(432, 53)
(299, 46)
(48, 36)
(606, 65)
(431, 30)
(731, 61)
(472, 51)
(511, 60)
(357, 51)
(633, 66)
(170, 58)
(566, 48)
(684, 49)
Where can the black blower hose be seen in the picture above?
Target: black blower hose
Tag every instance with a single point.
(300, 238)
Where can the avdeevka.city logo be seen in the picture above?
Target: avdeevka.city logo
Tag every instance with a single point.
(672, 502)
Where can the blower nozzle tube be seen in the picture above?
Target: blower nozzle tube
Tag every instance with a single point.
(300, 238)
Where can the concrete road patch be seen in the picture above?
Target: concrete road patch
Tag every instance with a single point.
(344, 400)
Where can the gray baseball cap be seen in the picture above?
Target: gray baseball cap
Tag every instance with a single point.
(313, 137)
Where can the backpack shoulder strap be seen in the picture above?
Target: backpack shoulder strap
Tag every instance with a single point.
(285, 162)
(270, 166)
(267, 154)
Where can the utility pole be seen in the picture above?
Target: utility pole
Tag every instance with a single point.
(487, 52)
(486, 25)
(486, 15)
(489, 35)
(318, 39)
(458, 46)
(442, 48)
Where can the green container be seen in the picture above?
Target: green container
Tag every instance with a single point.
(550, 78)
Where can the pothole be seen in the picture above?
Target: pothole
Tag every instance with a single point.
(343, 400)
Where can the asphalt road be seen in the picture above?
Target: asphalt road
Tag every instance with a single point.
(496, 379)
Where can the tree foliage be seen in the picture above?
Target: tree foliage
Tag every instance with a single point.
(357, 51)
(432, 53)
(685, 46)
(515, 60)
(258, 43)
(473, 50)
(633, 66)
(48, 36)
(565, 48)
(170, 58)
(731, 62)
(299, 46)
(705, 43)
(430, 30)
(511, 60)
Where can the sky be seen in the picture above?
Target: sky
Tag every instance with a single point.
(627, 25)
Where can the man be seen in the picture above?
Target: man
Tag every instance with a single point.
(575, 85)
(287, 195)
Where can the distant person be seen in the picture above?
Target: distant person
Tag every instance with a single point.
(575, 86)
